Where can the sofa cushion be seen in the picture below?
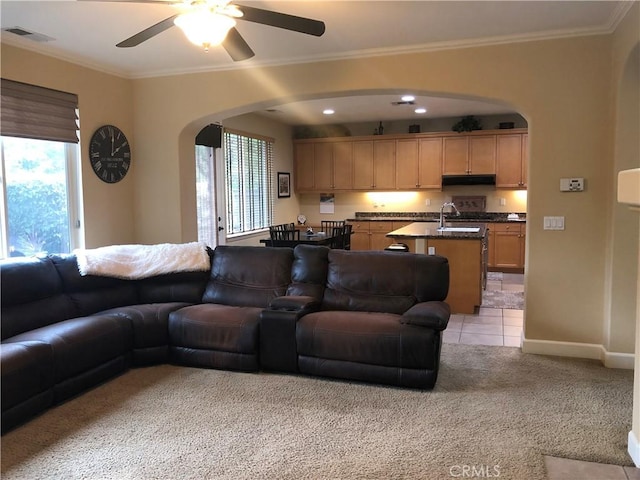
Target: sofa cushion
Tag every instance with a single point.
(215, 327)
(248, 276)
(366, 337)
(177, 287)
(91, 294)
(150, 324)
(383, 281)
(32, 295)
(80, 344)
(309, 271)
(27, 370)
(27, 381)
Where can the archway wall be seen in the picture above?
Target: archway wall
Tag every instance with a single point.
(562, 87)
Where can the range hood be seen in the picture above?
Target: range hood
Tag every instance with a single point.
(468, 180)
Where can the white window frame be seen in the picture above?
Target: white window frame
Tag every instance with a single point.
(74, 202)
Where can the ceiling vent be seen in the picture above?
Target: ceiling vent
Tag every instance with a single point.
(24, 33)
(403, 103)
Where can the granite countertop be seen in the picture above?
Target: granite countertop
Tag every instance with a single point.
(488, 217)
(430, 230)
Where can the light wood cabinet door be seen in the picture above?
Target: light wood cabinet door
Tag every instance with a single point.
(360, 236)
(363, 165)
(342, 166)
(430, 163)
(304, 156)
(525, 159)
(407, 170)
(482, 155)
(508, 246)
(323, 166)
(511, 161)
(384, 165)
(455, 156)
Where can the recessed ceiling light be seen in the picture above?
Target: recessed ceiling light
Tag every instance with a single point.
(328, 111)
(407, 98)
(420, 110)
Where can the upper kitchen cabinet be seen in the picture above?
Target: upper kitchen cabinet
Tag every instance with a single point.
(409, 161)
(304, 155)
(469, 155)
(323, 166)
(512, 160)
(374, 165)
(419, 163)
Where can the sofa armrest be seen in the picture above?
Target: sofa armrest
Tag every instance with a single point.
(300, 304)
(428, 314)
(278, 349)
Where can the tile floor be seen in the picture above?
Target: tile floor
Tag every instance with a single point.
(490, 326)
(503, 327)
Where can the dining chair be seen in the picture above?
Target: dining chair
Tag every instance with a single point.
(284, 235)
(341, 237)
(328, 225)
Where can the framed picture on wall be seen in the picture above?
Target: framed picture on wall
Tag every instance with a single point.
(284, 184)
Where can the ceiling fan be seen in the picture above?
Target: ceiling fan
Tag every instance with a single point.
(208, 23)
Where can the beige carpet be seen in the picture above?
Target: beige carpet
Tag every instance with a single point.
(493, 409)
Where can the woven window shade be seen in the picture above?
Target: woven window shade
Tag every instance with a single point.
(29, 111)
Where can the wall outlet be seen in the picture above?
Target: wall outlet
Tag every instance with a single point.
(503, 202)
(427, 202)
(554, 223)
(431, 250)
(571, 184)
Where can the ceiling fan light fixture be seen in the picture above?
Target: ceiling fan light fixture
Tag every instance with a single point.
(204, 27)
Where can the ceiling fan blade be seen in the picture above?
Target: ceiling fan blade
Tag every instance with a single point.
(236, 47)
(282, 20)
(148, 33)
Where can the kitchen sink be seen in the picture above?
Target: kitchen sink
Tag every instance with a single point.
(459, 229)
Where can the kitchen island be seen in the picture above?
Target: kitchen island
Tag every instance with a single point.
(465, 246)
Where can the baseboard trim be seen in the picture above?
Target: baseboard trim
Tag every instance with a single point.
(579, 350)
(634, 449)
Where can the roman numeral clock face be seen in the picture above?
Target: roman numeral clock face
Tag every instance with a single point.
(110, 154)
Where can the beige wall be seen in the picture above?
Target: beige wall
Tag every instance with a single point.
(564, 89)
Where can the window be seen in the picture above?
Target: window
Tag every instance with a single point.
(39, 207)
(248, 172)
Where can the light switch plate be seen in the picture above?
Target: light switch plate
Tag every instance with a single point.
(554, 223)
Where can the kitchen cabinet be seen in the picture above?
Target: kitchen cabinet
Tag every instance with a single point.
(323, 166)
(465, 272)
(467, 155)
(512, 152)
(409, 161)
(374, 165)
(419, 163)
(506, 246)
(304, 166)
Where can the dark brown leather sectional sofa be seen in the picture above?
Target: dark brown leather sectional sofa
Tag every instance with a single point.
(365, 316)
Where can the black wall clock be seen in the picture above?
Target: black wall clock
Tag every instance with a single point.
(110, 154)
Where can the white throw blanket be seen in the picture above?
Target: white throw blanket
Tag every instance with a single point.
(142, 261)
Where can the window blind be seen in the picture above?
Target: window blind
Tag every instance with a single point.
(29, 111)
(249, 165)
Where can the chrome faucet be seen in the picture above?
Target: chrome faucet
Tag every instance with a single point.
(447, 204)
